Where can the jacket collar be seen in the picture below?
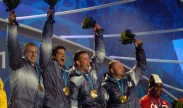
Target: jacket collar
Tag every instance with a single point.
(110, 78)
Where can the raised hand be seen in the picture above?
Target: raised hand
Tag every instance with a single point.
(96, 27)
(12, 18)
(137, 43)
(49, 13)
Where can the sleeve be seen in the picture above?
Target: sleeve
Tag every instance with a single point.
(15, 53)
(106, 95)
(74, 100)
(99, 53)
(74, 93)
(144, 105)
(139, 69)
(144, 102)
(46, 44)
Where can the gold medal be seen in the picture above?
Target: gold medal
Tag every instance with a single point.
(66, 91)
(123, 99)
(93, 93)
(40, 88)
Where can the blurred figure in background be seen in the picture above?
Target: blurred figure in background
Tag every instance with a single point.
(153, 98)
(3, 97)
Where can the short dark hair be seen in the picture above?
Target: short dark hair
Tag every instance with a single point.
(77, 54)
(56, 48)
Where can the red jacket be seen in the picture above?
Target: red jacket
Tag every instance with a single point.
(147, 102)
(181, 99)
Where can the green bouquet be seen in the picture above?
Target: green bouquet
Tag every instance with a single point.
(177, 104)
(127, 37)
(52, 3)
(11, 5)
(89, 22)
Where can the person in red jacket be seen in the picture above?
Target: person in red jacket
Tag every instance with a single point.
(181, 99)
(153, 98)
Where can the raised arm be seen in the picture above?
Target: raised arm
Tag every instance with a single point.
(99, 53)
(139, 69)
(15, 53)
(140, 56)
(46, 42)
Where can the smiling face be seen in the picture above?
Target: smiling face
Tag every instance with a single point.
(116, 69)
(30, 53)
(60, 57)
(155, 85)
(83, 62)
(156, 90)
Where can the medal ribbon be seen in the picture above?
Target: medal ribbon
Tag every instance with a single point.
(120, 85)
(88, 77)
(37, 73)
(159, 102)
(64, 76)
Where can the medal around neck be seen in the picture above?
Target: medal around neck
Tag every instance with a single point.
(93, 94)
(123, 99)
(66, 91)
